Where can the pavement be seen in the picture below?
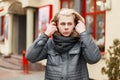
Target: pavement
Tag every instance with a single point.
(18, 74)
(6, 74)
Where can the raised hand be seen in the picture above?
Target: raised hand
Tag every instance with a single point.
(51, 28)
(80, 27)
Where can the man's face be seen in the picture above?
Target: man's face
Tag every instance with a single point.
(66, 25)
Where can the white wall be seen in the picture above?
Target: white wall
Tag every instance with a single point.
(55, 3)
(112, 23)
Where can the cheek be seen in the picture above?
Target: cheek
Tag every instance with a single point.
(72, 27)
(60, 28)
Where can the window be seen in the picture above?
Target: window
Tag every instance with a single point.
(67, 4)
(95, 20)
(1, 28)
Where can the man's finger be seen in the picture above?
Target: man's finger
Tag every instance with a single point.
(53, 23)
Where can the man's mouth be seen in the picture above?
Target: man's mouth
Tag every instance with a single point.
(65, 32)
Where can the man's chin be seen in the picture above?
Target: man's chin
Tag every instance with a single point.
(66, 35)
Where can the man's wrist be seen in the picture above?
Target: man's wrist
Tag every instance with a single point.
(46, 34)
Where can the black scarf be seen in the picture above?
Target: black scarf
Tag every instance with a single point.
(64, 44)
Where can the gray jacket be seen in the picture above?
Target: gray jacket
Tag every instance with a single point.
(71, 65)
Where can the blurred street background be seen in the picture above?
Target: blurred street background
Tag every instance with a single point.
(22, 21)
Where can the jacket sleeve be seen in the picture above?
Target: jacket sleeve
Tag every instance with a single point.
(90, 51)
(38, 50)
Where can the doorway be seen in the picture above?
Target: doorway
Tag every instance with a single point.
(19, 34)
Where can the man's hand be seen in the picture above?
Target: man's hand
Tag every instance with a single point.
(51, 28)
(80, 27)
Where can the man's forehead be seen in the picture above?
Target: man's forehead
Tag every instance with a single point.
(66, 18)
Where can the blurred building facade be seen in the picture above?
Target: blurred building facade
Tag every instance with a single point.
(19, 21)
(112, 22)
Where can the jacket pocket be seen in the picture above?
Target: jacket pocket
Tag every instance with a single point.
(74, 57)
(53, 58)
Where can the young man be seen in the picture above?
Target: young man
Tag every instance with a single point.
(68, 51)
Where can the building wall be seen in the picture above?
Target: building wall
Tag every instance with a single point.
(55, 3)
(38, 3)
(112, 23)
(30, 3)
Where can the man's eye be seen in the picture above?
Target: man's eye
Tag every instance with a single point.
(62, 24)
(69, 23)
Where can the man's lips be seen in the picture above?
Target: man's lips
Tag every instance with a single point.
(65, 32)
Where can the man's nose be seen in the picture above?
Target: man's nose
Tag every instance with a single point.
(66, 27)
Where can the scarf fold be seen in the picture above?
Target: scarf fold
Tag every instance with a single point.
(64, 44)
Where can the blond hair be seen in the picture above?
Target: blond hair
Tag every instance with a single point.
(68, 12)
